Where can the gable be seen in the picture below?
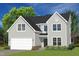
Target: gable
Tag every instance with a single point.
(44, 19)
(32, 21)
(57, 17)
(19, 21)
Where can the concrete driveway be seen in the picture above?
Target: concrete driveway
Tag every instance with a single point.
(6, 52)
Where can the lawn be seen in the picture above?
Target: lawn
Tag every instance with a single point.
(74, 52)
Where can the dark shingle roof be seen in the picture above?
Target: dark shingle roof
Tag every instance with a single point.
(32, 24)
(42, 19)
(66, 16)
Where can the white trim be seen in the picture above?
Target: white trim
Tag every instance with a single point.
(56, 27)
(12, 25)
(23, 20)
(21, 28)
(59, 16)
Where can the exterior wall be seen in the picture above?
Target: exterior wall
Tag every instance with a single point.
(14, 33)
(55, 19)
(37, 40)
(42, 27)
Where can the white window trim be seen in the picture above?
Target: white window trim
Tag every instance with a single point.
(57, 41)
(56, 28)
(21, 28)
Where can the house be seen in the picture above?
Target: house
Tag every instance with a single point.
(28, 33)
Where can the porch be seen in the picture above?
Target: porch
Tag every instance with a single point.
(43, 39)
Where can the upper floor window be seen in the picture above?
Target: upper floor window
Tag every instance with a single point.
(21, 27)
(45, 28)
(56, 27)
(59, 26)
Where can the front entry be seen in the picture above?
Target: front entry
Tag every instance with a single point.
(45, 42)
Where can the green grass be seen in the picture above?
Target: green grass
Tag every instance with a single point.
(74, 52)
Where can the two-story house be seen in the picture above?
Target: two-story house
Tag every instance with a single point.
(40, 31)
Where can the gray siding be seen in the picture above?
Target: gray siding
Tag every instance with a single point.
(37, 40)
(55, 19)
(14, 33)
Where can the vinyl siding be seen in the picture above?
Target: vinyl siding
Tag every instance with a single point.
(55, 19)
(14, 33)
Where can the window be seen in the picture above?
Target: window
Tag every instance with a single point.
(59, 41)
(21, 27)
(54, 41)
(45, 28)
(54, 27)
(59, 26)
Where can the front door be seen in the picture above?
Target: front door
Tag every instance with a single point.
(45, 42)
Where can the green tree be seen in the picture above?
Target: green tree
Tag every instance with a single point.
(74, 21)
(12, 15)
(74, 25)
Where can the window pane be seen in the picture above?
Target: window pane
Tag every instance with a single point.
(54, 41)
(23, 26)
(54, 27)
(59, 41)
(59, 26)
(45, 28)
(19, 27)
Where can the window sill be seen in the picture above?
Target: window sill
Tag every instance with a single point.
(21, 31)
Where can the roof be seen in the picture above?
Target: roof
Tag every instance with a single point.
(32, 24)
(40, 19)
(65, 15)
(43, 19)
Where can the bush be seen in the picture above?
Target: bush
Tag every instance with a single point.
(71, 46)
(76, 45)
(6, 47)
(56, 48)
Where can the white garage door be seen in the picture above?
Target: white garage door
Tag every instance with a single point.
(21, 44)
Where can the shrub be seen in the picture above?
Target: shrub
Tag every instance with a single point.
(56, 48)
(6, 47)
(71, 46)
(76, 45)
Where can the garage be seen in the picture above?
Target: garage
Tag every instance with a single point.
(21, 44)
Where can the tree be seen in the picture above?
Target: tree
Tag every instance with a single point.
(12, 15)
(74, 25)
(74, 21)
(9, 18)
(1, 35)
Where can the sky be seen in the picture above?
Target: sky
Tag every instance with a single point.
(40, 9)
